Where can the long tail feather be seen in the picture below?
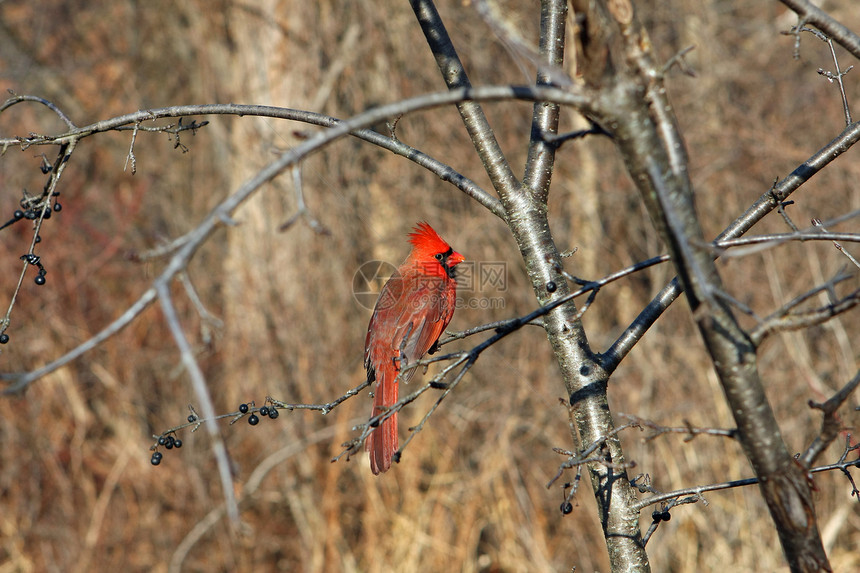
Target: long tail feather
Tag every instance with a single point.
(383, 442)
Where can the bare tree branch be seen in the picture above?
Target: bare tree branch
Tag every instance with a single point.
(541, 155)
(15, 99)
(786, 318)
(198, 382)
(526, 214)
(134, 120)
(770, 200)
(841, 465)
(839, 247)
(811, 14)
(688, 429)
(646, 132)
(830, 424)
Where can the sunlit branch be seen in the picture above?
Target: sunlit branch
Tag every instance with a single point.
(690, 432)
(698, 490)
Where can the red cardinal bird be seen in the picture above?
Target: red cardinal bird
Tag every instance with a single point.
(413, 309)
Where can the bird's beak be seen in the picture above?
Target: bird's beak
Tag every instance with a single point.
(455, 259)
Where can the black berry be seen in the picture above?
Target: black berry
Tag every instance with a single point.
(156, 458)
(4, 338)
(566, 508)
(550, 286)
(19, 214)
(39, 280)
(273, 413)
(658, 516)
(253, 419)
(243, 408)
(192, 418)
(162, 440)
(177, 443)
(264, 411)
(58, 207)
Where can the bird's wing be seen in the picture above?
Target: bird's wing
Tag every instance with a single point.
(409, 320)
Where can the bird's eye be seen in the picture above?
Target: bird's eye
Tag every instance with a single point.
(439, 256)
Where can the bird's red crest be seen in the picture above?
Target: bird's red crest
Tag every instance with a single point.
(424, 238)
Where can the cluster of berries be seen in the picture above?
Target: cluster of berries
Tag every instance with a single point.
(32, 214)
(264, 411)
(169, 442)
(659, 516)
(31, 209)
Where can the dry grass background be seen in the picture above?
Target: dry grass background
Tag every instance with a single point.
(76, 487)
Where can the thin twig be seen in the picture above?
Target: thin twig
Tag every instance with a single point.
(698, 490)
(128, 121)
(208, 321)
(817, 223)
(785, 318)
(688, 429)
(808, 13)
(322, 408)
(43, 205)
(584, 456)
(773, 198)
(517, 45)
(201, 390)
(16, 99)
(830, 425)
(301, 208)
(130, 156)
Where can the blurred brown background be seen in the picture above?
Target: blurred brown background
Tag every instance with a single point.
(77, 491)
